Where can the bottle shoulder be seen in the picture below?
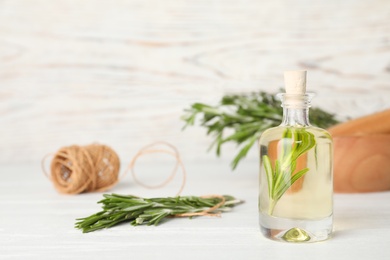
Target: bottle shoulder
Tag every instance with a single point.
(278, 132)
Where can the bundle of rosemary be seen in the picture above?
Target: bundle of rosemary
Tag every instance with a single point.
(139, 211)
(248, 115)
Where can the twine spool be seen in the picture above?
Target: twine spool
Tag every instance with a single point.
(76, 169)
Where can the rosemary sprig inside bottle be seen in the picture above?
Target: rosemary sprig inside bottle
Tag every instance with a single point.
(150, 211)
(282, 174)
(248, 115)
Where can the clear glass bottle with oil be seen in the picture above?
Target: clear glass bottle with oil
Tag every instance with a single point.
(296, 172)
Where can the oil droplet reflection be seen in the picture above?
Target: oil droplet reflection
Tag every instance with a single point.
(296, 235)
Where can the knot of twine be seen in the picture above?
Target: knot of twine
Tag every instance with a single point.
(206, 212)
(76, 169)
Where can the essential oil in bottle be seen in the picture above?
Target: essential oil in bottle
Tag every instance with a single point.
(296, 171)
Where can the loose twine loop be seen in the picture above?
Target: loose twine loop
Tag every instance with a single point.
(95, 168)
(147, 150)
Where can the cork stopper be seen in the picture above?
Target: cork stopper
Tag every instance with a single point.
(295, 82)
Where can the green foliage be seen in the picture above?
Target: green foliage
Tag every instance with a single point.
(280, 177)
(245, 117)
(140, 211)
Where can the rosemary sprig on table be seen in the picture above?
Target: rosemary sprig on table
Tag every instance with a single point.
(281, 176)
(139, 211)
(247, 116)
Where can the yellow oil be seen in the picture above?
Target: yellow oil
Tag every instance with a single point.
(310, 198)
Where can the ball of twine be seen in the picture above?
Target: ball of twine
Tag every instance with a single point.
(76, 169)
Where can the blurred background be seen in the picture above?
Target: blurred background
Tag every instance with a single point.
(121, 72)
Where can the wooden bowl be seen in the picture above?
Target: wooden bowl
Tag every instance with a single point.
(361, 163)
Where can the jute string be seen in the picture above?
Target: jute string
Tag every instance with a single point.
(206, 212)
(148, 150)
(95, 168)
(77, 169)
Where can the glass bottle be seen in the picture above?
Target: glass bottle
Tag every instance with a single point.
(296, 172)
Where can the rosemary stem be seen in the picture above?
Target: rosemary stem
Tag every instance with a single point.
(272, 206)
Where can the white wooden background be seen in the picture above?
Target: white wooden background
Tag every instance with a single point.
(120, 72)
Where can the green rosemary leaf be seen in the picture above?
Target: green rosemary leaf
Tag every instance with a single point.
(304, 142)
(270, 174)
(239, 136)
(219, 143)
(287, 185)
(298, 175)
(244, 151)
(282, 178)
(287, 150)
(136, 207)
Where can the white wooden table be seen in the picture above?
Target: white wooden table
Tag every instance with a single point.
(37, 223)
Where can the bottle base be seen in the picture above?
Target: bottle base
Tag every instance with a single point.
(296, 230)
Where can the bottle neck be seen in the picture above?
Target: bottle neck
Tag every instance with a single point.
(296, 117)
(296, 109)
